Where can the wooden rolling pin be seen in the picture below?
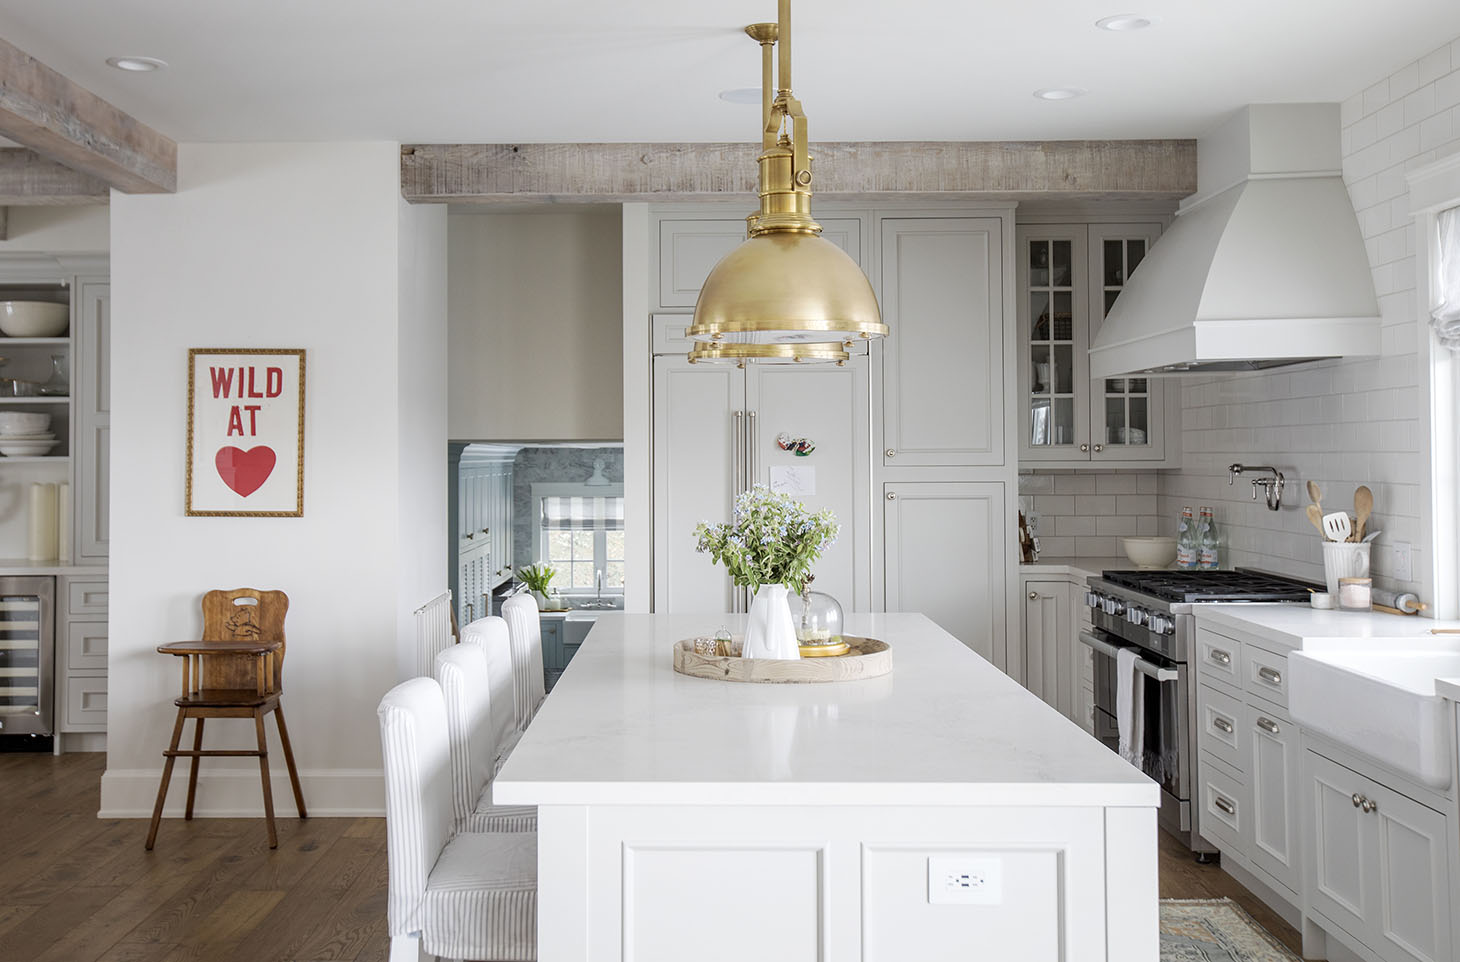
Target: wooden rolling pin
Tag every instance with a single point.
(1396, 603)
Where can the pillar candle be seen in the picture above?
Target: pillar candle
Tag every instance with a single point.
(42, 522)
(63, 523)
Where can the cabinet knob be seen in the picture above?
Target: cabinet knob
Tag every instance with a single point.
(1099, 448)
(1085, 448)
(892, 496)
(1369, 805)
(1357, 799)
(891, 452)
(1033, 596)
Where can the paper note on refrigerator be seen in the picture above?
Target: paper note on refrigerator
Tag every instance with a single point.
(793, 479)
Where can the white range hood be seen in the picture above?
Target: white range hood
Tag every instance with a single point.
(1265, 265)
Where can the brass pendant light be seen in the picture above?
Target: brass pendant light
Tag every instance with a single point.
(786, 293)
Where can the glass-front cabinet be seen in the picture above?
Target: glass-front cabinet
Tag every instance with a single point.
(1069, 277)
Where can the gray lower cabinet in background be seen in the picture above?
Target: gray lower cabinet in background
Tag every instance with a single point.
(81, 654)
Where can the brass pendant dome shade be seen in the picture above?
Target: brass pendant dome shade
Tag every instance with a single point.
(786, 285)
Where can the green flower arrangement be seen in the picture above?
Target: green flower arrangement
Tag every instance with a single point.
(537, 577)
(773, 540)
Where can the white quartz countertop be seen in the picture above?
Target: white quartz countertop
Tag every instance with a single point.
(1075, 567)
(1295, 623)
(621, 727)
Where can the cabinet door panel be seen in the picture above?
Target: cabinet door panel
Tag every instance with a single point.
(946, 556)
(943, 367)
(1273, 768)
(1412, 863)
(1127, 415)
(690, 249)
(1045, 612)
(694, 445)
(92, 380)
(828, 406)
(1054, 366)
(1341, 886)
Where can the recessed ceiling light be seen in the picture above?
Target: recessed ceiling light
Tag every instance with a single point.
(741, 95)
(1124, 21)
(1060, 93)
(136, 64)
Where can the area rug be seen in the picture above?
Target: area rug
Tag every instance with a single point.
(1215, 930)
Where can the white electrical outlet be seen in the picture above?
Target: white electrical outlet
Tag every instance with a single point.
(1031, 521)
(965, 880)
(1401, 568)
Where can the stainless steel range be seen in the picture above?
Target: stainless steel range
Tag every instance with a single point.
(1151, 611)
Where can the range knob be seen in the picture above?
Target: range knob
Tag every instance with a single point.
(1161, 624)
(1092, 599)
(1136, 616)
(1114, 606)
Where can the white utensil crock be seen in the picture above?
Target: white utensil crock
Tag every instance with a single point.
(1344, 559)
(770, 632)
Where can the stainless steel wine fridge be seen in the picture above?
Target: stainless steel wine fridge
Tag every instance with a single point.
(27, 651)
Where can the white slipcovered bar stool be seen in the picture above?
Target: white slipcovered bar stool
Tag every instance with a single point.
(461, 671)
(491, 635)
(472, 896)
(524, 625)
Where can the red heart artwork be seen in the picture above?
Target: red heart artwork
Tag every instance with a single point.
(245, 471)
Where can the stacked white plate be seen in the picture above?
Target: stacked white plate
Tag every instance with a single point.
(24, 434)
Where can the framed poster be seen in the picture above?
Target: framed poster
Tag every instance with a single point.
(245, 433)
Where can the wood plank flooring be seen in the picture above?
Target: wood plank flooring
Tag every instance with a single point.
(75, 888)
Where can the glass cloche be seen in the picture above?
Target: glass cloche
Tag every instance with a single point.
(819, 623)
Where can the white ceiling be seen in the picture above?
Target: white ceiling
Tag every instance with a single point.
(649, 70)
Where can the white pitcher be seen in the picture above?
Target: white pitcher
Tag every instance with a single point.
(1344, 559)
(770, 632)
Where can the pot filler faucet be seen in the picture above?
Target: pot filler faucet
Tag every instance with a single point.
(1273, 485)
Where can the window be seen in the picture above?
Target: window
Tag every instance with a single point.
(581, 535)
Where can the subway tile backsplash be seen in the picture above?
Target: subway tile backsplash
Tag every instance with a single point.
(1085, 514)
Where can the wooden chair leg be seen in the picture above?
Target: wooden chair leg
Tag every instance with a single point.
(166, 778)
(258, 721)
(193, 773)
(289, 760)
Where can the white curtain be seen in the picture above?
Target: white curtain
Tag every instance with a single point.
(1445, 315)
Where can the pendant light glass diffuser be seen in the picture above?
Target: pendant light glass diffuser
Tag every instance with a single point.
(786, 286)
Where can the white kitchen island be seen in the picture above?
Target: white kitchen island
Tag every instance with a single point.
(684, 818)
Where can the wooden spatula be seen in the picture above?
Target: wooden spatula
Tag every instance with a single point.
(1315, 515)
(1363, 506)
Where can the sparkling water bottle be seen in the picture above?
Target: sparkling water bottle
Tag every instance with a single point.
(1206, 539)
(1187, 546)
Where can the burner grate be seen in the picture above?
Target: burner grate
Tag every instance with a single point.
(1210, 585)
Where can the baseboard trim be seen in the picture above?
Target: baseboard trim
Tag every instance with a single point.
(235, 793)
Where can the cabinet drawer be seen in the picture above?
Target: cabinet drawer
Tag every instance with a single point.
(86, 597)
(1224, 803)
(86, 645)
(1265, 674)
(1219, 658)
(85, 703)
(1219, 716)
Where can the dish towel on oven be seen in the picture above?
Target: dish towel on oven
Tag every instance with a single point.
(1130, 713)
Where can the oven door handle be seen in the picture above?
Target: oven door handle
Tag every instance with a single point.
(1142, 666)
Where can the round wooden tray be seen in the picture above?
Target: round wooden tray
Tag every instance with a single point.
(867, 658)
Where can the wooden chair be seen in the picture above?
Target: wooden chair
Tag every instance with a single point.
(235, 671)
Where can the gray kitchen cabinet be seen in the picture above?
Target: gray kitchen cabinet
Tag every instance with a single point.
(1046, 625)
(1068, 278)
(553, 661)
(946, 556)
(943, 373)
(1380, 872)
(91, 391)
(81, 653)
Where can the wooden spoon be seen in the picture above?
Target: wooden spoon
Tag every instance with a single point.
(1315, 515)
(1315, 495)
(1363, 506)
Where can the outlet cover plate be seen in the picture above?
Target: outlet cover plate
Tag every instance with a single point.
(965, 880)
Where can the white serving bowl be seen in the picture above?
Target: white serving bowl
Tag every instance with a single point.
(23, 422)
(1150, 552)
(25, 449)
(34, 318)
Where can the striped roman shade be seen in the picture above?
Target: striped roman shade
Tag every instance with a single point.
(582, 514)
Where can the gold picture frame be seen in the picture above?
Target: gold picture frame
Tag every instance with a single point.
(245, 433)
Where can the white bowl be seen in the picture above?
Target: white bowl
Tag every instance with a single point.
(1150, 552)
(34, 318)
(25, 449)
(24, 422)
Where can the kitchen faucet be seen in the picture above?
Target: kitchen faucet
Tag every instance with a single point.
(1272, 485)
(598, 602)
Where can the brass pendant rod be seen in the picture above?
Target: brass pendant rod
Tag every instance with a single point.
(784, 40)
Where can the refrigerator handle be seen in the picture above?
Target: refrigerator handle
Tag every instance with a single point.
(737, 480)
(754, 445)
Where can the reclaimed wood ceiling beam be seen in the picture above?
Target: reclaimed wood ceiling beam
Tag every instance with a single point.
(580, 173)
(42, 110)
(27, 179)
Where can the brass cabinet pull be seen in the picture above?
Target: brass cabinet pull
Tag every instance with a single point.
(1219, 656)
(1268, 726)
(1099, 448)
(1085, 448)
(1224, 805)
(1221, 724)
(1270, 675)
(1357, 799)
(1033, 596)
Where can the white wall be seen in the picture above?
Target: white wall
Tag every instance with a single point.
(274, 245)
(1339, 423)
(536, 331)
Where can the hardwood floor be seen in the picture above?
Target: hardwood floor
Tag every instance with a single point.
(75, 888)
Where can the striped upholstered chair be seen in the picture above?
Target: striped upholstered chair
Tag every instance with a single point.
(491, 635)
(522, 616)
(470, 896)
(461, 670)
